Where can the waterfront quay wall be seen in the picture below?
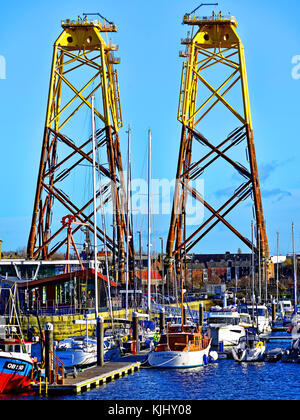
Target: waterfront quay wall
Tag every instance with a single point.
(64, 326)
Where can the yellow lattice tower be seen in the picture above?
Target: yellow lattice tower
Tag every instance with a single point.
(82, 67)
(215, 46)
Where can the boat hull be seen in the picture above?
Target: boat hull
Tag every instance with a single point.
(178, 359)
(76, 357)
(82, 357)
(249, 355)
(229, 335)
(15, 373)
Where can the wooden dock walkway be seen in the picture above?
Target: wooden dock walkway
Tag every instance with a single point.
(89, 378)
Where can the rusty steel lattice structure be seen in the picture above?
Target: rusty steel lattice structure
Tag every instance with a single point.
(215, 44)
(80, 54)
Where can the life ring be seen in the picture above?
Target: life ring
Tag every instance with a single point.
(259, 344)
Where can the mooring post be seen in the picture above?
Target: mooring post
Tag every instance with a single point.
(162, 321)
(48, 351)
(184, 315)
(201, 313)
(100, 341)
(135, 330)
(273, 312)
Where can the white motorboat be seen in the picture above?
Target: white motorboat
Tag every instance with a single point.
(226, 326)
(249, 349)
(287, 308)
(82, 352)
(261, 319)
(292, 353)
(183, 346)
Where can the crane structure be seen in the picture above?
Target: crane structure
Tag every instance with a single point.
(82, 67)
(214, 80)
(67, 221)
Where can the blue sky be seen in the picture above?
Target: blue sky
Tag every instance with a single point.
(149, 35)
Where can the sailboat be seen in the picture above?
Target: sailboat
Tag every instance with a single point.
(182, 346)
(82, 352)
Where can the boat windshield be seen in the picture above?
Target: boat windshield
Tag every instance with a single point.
(245, 319)
(249, 340)
(223, 320)
(16, 348)
(257, 311)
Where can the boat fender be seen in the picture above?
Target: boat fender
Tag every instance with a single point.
(259, 344)
(213, 356)
(133, 347)
(205, 361)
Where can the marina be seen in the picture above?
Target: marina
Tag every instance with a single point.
(224, 380)
(129, 285)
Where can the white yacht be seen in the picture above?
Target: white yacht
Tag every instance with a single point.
(183, 346)
(261, 318)
(226, 326)
(82, 351)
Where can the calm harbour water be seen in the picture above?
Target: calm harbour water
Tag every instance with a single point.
(223, 380)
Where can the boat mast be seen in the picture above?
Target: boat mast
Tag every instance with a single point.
(252, 268)
(127, 224)
(95, 208)
(181, 297)
(277, 267)
(133, 253)
(266, 275)
(149, 223)
(259, 266)
(295, 269)
(104, 241)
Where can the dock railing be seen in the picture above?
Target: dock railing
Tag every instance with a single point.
(58, 374)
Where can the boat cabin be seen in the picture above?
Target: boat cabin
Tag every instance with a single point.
(245, 320)
(223, 318)
(183, 338)
(287, 306)
(14, 346)
(250, 340)
(258, 311)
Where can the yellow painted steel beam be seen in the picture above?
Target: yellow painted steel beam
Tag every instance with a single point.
(78, 41)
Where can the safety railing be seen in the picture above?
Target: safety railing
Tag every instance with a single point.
(58, 373)
(217, 17)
